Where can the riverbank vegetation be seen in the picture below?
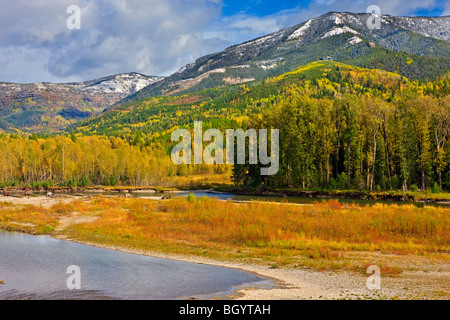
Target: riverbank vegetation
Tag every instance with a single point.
(424, 196)
(320, 236)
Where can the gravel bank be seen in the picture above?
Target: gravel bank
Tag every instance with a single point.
(298, 283)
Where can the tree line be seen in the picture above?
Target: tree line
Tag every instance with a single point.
(69, 160)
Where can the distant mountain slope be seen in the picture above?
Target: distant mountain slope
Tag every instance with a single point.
(332, 36)
(223, 107)
(51, 106)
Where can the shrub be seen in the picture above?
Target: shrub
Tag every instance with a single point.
(191, 197)
(395, 181)
(435, 188)
(46, 184)
(112, 181)
(342, 181)
(333, 184)
(85, 182)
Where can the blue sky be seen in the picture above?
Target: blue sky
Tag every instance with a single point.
(267, 7)
(154, 37)
(259, 7)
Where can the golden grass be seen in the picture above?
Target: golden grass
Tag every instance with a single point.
(381, 227)
(31, 218)
(280, 234)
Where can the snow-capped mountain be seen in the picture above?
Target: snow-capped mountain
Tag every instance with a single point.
(35, 106)
(415, 47)
(124, 83)
(339, 36)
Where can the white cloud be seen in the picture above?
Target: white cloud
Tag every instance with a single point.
(151, 37)
(446, 9)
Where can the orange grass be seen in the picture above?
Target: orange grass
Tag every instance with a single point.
(281, 233)
(29, 218)
(274, 229)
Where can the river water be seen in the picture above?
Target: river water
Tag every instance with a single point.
(35, 267)
(255, 197)
(289, 199)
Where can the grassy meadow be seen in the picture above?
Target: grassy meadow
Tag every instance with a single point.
(319, 236)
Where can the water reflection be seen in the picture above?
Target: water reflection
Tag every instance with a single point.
(34, 267)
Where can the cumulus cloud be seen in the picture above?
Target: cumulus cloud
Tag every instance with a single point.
(152, 37)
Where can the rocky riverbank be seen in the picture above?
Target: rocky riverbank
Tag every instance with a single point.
(26, 191)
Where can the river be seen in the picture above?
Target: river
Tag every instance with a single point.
(288, 199)
(255, 197)
(35, 267)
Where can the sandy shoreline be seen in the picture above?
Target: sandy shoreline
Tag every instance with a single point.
(422, 278)
(45, 202)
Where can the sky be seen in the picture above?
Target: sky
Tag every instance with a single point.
(153, 37)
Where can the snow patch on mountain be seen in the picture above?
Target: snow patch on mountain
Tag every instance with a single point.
(125, 83)
(338, 30)
(336, 18)
(300, 32)
(258, 41)
(268, 64)
(354, 40)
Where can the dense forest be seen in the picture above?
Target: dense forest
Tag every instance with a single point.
(341, 127)
(357, 143)
(389, 137)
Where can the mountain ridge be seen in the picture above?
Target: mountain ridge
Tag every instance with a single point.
(288, 48)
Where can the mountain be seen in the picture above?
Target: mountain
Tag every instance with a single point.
(417, 48)
(228, 106)
(344, 37)
(51, 106)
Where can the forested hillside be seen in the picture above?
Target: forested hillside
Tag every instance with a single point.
(340, 127)
(387, 138)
